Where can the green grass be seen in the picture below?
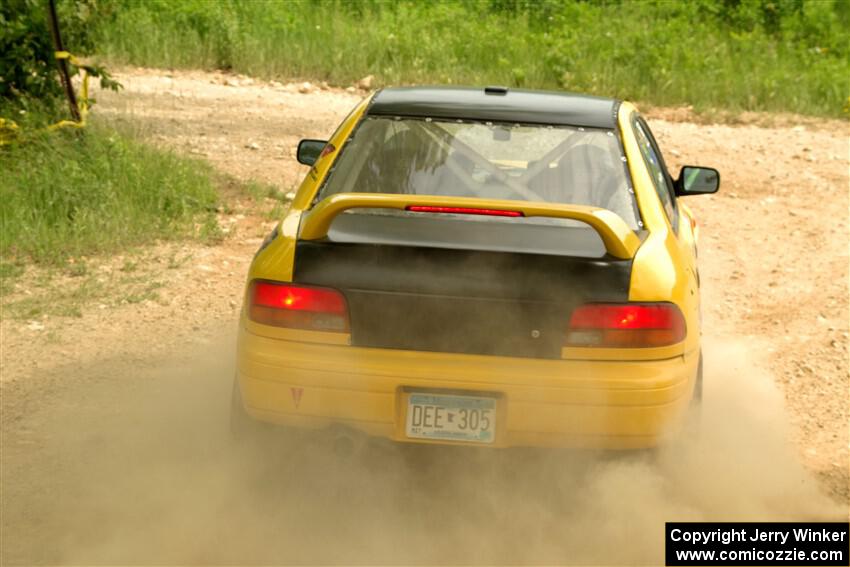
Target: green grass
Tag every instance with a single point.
(54, 294)
(66, 194)
(761, 55)
(64, 301)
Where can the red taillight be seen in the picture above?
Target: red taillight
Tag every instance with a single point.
(630, 325)
(463, 211)
(298, 307)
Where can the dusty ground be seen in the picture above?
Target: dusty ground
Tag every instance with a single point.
(114, 444)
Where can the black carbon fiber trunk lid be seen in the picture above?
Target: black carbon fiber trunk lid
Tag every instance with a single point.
(461, 301)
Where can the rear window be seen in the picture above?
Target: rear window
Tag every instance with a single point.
(554, 164)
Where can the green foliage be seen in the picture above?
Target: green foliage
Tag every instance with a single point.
(26, 52)
(29, 85)
(97, 190)
(776, 55)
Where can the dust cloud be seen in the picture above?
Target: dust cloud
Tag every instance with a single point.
(133, 464)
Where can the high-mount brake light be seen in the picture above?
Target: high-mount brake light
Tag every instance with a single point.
(298, 307)
(626, 325)
(463, 211)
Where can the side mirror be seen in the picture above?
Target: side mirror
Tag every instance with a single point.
(309, 151)
(695, 180)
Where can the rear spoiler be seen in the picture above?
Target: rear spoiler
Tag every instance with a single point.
(620, 241)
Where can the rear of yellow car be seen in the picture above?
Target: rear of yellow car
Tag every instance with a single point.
(466, 300)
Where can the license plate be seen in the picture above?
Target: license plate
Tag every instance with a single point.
(453, 418)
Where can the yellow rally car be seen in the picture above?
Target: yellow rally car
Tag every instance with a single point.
(485, 267)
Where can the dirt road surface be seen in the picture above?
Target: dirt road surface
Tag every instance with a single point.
(115, 447)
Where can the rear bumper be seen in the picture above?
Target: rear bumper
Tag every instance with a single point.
(555, 403)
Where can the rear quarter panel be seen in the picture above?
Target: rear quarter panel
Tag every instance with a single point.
(664, 266)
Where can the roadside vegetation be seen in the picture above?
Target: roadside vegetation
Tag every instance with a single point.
(72, 201)
(70, 193)
(732, 55)
(80, 191)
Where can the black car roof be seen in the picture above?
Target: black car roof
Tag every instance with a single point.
(497, 104)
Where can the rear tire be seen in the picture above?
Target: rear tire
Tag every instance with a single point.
(694, 423)
(697, 399)
(687, 431)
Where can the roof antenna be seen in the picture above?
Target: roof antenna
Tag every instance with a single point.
(502, 91)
